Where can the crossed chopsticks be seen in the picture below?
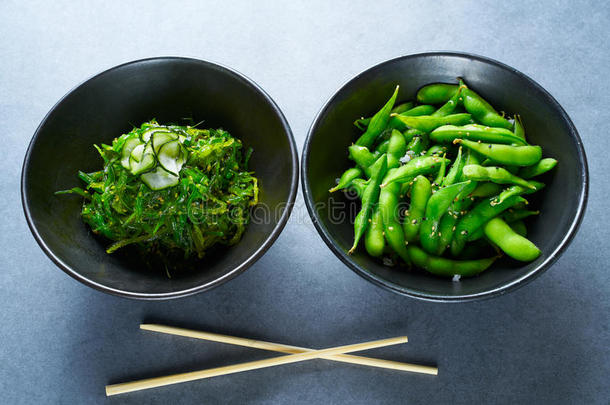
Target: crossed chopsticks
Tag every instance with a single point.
(296, 354)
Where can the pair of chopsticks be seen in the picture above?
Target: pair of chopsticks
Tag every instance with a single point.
(296, 354)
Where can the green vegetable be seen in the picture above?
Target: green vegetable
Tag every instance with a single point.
(174, 191)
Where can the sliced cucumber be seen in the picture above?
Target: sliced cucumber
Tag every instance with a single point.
(159, 179)
(146, 135)
(137, 153)
(146, 159)
(171, 157)
(161, 138)
(128, 146)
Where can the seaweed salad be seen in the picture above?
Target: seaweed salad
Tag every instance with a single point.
(174, 191)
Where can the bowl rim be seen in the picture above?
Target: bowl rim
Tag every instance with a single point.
(500, 290)
(257, 254)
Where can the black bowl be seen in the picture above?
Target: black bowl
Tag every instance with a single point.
(562, 203)
(107, 105)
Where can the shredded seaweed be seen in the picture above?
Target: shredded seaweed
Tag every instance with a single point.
(210, 205)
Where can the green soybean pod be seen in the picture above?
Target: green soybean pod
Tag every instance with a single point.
(428, 123)
(456, 169)
(520, 190)
(374, 241)
(436, 93)
(402, 107)
(476, 218)
(397, 146)
(346, 178)
(358, 186)
(438, 180)
(481, 110)
(447, 267)
(494, 174)
(511, 243)
(396, 123)
(378, 122)
(449, 220)
(420, 193)
(486, 189)
(450, 106)
(414, 167)
(370, 196)
(383, 146)
(388, 204)
(436, 207)
(543, 166)
(475, 132)
(363, 157)
(506, 154)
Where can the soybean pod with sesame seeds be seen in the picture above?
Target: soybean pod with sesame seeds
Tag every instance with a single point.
(436, 93)
(514, 245)
(448, 267)
(436, 207)
(543, 166)
(378, 122)
(394, 235)
(370, 196)
(420, 193)
(495, 174)
(526, 155)
(396, 123)
(428, 123)
(475, 132)
(481, 109)
(414, 167)
(346, 178)
(374, 241)
(476, 218)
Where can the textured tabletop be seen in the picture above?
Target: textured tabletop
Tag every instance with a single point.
(547, 342)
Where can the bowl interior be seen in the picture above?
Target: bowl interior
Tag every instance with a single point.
(546, 124)
(168, 89)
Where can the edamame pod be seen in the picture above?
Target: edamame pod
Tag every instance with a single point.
(515, 214)
(511, 243)
(476, 218)
(378, 123)
(420, 193)
(437, 205)
(370, 196)
(397, 146)
(414, 167)
(494, 174)
(519, 190)
(396, 123)
(388, 203)
(374, 242)
(481, 110)
(506, 154)
(436, 93)
(475, 132)
(427, 123)
(346, 178)
(363, 157)
(447, 267)
(543, 166)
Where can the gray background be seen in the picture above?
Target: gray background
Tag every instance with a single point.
(61, 342)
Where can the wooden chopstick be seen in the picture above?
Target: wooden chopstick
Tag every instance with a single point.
(277, 347)
(121, 388)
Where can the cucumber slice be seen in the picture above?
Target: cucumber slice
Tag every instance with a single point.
(146, 159)
(158, 139)
(171, 157)
(159, 179)
(146, 135)
(128, 146)
(137, 153)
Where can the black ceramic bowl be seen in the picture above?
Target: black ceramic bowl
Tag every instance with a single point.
(562, 203)
(107, 105)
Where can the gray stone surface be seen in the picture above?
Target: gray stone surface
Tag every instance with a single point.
(61, 342)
